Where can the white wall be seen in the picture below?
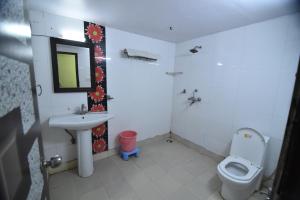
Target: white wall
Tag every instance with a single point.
(142, 91)
(252, 88)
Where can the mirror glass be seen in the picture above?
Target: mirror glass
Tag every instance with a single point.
(73, 69)
(73, 66)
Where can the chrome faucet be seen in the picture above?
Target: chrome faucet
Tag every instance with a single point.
(83, 109)
(194, 99)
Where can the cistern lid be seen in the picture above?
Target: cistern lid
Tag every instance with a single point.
(249, 144)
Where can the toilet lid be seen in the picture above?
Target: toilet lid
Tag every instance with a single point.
(250, 145)
(251, 170)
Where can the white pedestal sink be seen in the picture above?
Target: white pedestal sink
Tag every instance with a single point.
(82, 124)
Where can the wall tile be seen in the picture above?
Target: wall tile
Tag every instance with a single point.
(252, 87)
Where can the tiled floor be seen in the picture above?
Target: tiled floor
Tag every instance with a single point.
(164, 171)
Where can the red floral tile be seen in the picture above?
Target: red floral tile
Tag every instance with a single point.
(98, 95)
(97, 108)
(99, 55)
(99, 145)
(95, 35)
(99, 74)
(99, 130)
(94, 32)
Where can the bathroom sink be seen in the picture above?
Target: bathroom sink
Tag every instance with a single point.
(79, 122)
(82, 124)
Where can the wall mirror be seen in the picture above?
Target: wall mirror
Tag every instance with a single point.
(73, 66)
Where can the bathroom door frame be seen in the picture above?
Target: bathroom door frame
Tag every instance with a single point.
(287, 177)
(9, 42)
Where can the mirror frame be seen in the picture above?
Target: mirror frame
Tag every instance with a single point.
(57, 89)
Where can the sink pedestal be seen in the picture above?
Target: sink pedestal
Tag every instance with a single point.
(84, 153)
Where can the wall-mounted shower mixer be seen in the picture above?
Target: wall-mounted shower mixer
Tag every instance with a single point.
(194, 99)
(195, 49)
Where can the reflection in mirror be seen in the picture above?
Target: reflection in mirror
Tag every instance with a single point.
(73, 66)
(67, 69)
(82, 58)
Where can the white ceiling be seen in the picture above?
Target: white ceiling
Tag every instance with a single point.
(190, 18)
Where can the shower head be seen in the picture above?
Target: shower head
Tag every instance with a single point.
(194, 50)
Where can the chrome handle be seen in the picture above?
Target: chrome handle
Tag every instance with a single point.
(108, 97)
(83, 109)
(41, 90)
(53, 162)
(183, 91)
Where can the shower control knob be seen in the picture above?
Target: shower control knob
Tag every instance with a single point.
(108, 97)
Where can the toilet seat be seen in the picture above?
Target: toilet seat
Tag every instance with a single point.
(241, 172)
(250, 174)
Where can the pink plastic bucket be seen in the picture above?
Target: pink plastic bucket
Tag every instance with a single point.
(127, 140)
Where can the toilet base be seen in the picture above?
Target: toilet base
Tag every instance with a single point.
(230, 193)
(236, 191)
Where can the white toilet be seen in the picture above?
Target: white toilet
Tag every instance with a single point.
(242, 171)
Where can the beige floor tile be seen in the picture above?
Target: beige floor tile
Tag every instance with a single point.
(143, 161)
(215, 196)
(104, 165)
(199, 165)
(149, 191)
(211, 177)
(188, 155)
(127, 168)
(182, 194)
(86, 185)
(63, 193)
(205, 185)
(109, 175)
(119, 162)
(154, 172)
(168, 164)
(166, 159)
(138, 179)
(129, 196)
(147, 148)
(167, 185)
(130, 170)
(61, 179)
(164, 170)
(119, 189)
(99, 193)
(181, 175)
